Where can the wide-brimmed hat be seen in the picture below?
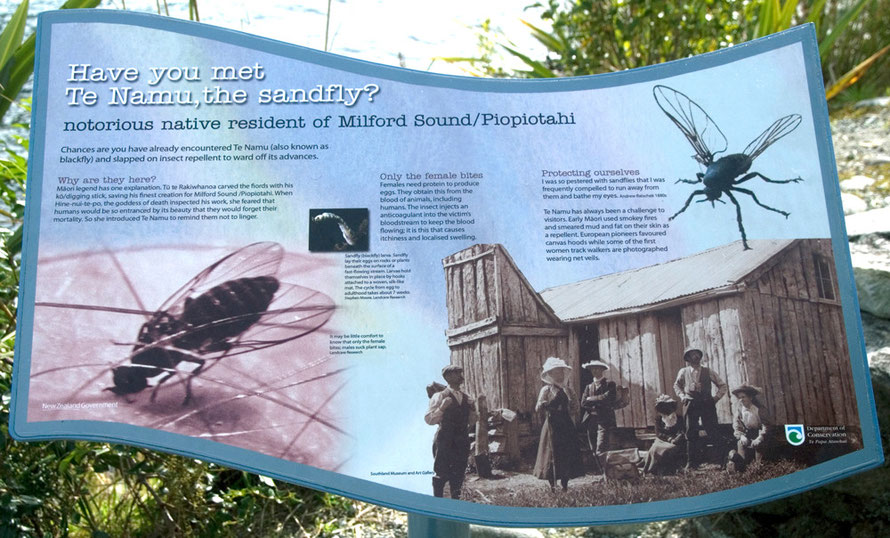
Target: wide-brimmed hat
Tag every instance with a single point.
(665, 404)
(692, 350)
(750, 390)
(552, 363)
(450, 370)
(589, 364)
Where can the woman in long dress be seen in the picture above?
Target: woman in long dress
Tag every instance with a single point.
(666, 453)
(559, 457)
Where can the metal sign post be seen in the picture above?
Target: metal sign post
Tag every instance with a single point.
(424, 526)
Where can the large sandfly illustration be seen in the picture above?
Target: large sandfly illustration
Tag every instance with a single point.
(723, 175)
(237, 354)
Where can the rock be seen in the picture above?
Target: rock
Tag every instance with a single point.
(852, 203)
(876, 221)
(880, 158)
(877, 333)
(857, 183)
(863, 137)
(877, 101)
(871, 269)
(880, 359)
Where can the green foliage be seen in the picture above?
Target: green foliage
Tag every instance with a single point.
(193, 10)
(79, 488)
(867, 35)
(597, 37)
(18, 67)
(486, 64)
(11, 36)
(587, 37)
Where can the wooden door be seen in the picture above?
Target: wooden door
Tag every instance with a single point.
(670, 348)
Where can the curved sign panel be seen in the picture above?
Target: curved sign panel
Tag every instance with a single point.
(557, 302)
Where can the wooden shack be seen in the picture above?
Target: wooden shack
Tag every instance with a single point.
(499, 329)
(769, 316)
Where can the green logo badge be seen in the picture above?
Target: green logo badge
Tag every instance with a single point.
(794, 434)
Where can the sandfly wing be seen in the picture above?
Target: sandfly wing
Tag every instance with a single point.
(700, 130)
(772, 134)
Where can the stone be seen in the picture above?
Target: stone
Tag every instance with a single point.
(877, 101)
(880, 158)
(876, 221)
(880, 359)
(877, 333)
(852, 203)
(857, 183)
(871, 269)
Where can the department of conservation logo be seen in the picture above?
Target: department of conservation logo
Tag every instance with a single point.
(794, 434)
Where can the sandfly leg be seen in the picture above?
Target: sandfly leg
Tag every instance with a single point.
(758, 202)
(738, 218)
(699, 175)
(688, 201)
(752, 175)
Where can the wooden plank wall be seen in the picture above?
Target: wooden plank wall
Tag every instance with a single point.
(714, 327)
(778, 335)
(471, 289)
(671, 346)
(522, 305)
(630, 345)
(798, 347)
(482, 282)
(481, 360)
(645, 353)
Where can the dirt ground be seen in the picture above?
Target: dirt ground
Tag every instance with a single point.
(522, 484)
(478, 489)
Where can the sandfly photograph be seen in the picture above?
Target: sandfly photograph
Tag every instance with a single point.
(228, 344)
(338, 230)
(654, 383)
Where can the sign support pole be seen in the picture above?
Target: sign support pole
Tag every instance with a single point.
(424, 526)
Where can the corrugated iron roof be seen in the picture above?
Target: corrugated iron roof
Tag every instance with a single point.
(712, 269)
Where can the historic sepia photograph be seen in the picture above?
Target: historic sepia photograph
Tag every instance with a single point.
(699, 374)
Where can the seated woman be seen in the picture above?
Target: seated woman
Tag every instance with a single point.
(669, 448)
(559, 457)
(750, 427)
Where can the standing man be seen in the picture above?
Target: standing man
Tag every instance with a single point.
(694, 387)
(454, 412)
(598, 402)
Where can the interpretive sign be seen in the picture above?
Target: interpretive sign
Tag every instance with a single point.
(595, 299)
